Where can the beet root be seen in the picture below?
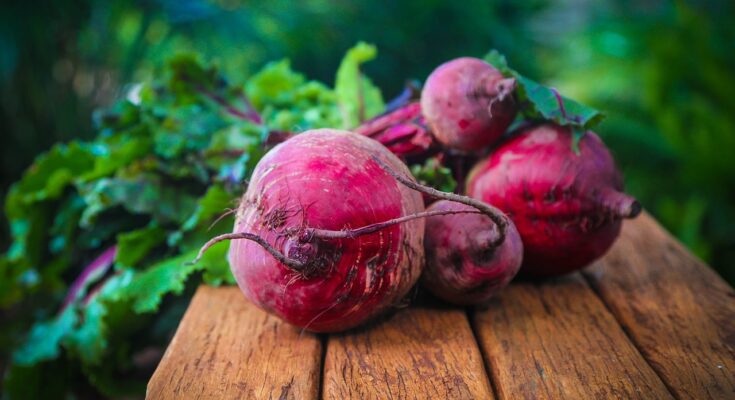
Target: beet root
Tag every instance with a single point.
(463, 266)
(567, 207)
(302, 262)
(468, 104)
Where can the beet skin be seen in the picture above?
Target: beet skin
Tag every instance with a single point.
(327, 180)
(567, 207)
(463, 265)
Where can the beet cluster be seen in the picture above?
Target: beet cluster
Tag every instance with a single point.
(333, 230)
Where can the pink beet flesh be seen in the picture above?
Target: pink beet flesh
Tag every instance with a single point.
(567, 207)
(461, 265)
(468, 104)
(326, 179)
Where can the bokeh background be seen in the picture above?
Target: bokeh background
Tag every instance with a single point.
(662, 70)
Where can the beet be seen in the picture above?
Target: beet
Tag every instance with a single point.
(468, 104)
(463, 266)
(566, 206)
(326, 180)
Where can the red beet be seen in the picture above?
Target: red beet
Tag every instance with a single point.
(468, 104)
(303, 195)
(463, 264)
(567, 207)
(330, 232)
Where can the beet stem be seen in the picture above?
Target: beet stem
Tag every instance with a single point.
(411, 91)
(367, 229)
(92, 272)
(560, 101)
(495, 215)
(290, 262)
(311, 233)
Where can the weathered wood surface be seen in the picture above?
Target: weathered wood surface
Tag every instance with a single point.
(225, 348)
(647, 321)
(418, 353)
(556, 340)
(678, 312)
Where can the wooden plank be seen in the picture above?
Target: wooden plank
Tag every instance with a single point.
(225, 348)
(555, 339)
(677, 311)
(419, 353)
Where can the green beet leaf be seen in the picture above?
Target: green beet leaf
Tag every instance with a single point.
(289, 102)
(215, 203)
(50, 174)
(147, 288)
(359, 99)
(44, 340)
(434, 174)
(539, 102)
(134, 246)
(144, 195)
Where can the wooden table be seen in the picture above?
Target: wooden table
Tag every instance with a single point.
(648, 321)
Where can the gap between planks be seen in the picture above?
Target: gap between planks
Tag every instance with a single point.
(226, 348)
(485, 359)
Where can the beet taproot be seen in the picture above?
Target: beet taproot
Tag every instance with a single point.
(468, 104)
(327, 180)
(464, 265)
(567, 206)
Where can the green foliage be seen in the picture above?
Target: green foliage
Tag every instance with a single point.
(45, 338)
(434, 174)
(538, 102)
(147, 288)
(359, 99)
(290, 102)
(134, 246)
(159, 180)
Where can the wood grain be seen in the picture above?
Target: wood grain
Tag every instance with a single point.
(419, 353)
(679, 313)
(650, 321)
(225, 348)
(556, 340)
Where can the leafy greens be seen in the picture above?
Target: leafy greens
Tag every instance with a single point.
(168, 161)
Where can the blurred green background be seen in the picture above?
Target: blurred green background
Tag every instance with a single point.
(662, 70)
